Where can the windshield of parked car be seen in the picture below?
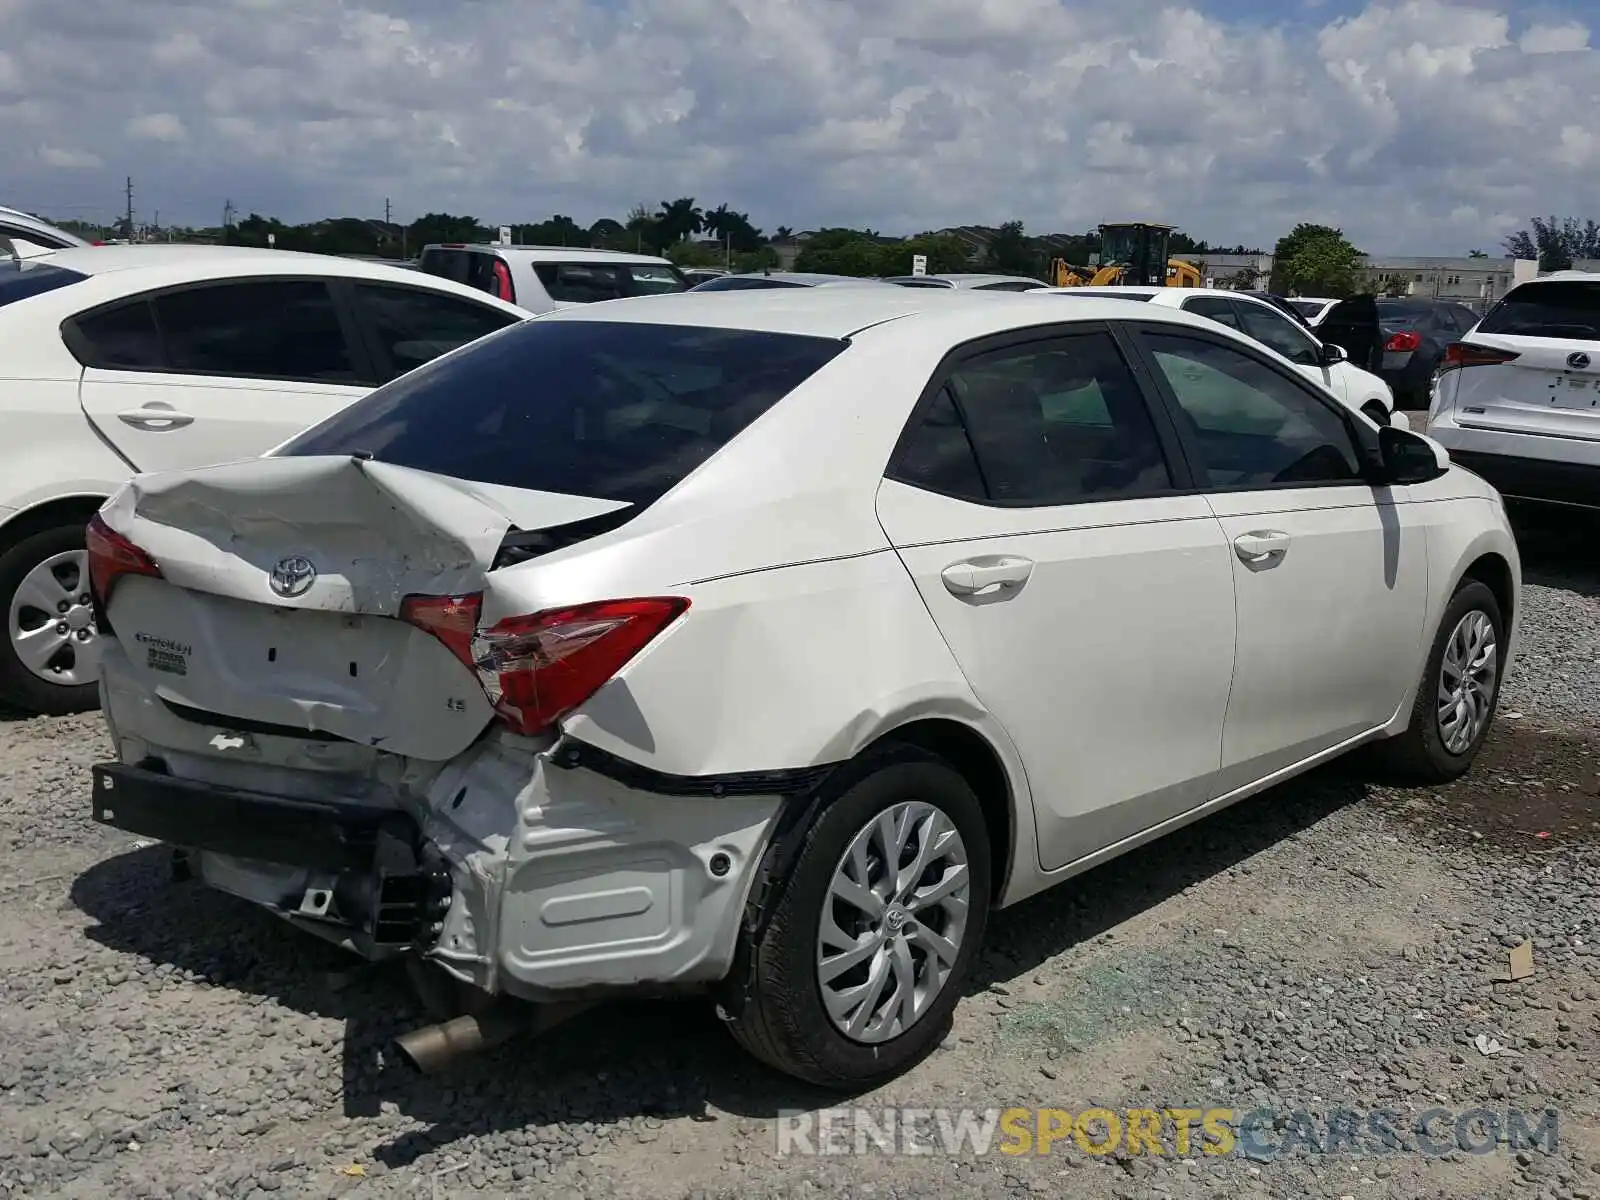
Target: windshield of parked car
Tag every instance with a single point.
(612, 410)
(19, 280)
(1559, 310)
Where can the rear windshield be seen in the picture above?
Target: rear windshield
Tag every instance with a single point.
(1555, 310)
(1307, 308)
(612, 410)
(1395, 315)
(744, 283)
(19, 280)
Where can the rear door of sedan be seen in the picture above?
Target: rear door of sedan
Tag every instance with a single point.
(1044, 510)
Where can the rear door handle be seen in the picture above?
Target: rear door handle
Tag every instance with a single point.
(154, 418)
(974, 575)
(1261, 547)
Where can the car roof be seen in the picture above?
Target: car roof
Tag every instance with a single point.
(842, 313)
(116, 271)
(567, 254)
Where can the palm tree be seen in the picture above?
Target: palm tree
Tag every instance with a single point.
(679, 219)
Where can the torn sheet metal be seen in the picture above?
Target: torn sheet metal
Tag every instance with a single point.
(374, 532)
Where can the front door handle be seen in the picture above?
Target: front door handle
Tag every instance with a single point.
(1261, 547)
(155, 418)
(974, 575)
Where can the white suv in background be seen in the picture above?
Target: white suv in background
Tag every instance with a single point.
(543, 278)
(1518, 398)
(1321, 362)
(127, 359)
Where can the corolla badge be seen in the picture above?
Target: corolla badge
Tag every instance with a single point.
(293, 576)
(1577, 360)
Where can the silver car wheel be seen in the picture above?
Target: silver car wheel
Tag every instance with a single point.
(893, 922)
(1468, 670)
(52, 626)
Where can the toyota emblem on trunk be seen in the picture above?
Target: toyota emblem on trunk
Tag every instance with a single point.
(1577, 360)
(293, 576)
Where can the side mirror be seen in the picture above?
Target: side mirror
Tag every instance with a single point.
(1332, 354)
(1408, 457)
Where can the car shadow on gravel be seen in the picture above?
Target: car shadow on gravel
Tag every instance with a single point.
(621, 1060)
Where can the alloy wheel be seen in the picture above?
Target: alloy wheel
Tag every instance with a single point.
(893, 921)
(1468, 671)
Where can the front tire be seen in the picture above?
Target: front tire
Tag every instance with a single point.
(50, 657)
(1458, 692)
(1376, 412)
(856, 975)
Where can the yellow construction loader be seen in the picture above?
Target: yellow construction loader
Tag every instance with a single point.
(1131, 253)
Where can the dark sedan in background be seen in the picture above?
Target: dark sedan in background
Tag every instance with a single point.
(1415, 333)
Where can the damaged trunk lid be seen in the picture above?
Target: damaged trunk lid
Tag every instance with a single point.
(277, 608)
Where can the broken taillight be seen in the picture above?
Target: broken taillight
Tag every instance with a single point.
(451, 619)
(111, 556)
(537, 668)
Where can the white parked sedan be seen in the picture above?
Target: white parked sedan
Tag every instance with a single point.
(1321, 362)
(121, 359)
(764, 644)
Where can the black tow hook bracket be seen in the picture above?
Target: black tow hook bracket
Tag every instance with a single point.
(413, 895)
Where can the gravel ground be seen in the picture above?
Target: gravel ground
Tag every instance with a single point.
(1331, 945)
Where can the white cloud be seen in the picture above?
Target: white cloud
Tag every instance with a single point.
(1420, 125)
(69, 160)
(159, 127)
(1554, 39)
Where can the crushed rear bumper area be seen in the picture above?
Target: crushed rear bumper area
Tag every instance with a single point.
(356, 867)
(203, 816)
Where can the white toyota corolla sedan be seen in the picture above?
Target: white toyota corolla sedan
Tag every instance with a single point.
(762, 644)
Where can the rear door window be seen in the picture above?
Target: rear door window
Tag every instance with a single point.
(583, 283)
(590, 282)
(617, 411)
(1055, 422)
(1553, 310)
(256, 329)
(413, 326)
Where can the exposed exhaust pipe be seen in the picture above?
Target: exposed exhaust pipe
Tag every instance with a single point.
(433, 1048)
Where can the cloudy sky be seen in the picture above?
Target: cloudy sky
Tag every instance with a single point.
(1428, 126)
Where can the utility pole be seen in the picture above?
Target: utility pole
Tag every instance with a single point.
(130, 208)
(227, 218)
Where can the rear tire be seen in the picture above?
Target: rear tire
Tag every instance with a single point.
(785, 1020)
(1436, 747)
(20, 563)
